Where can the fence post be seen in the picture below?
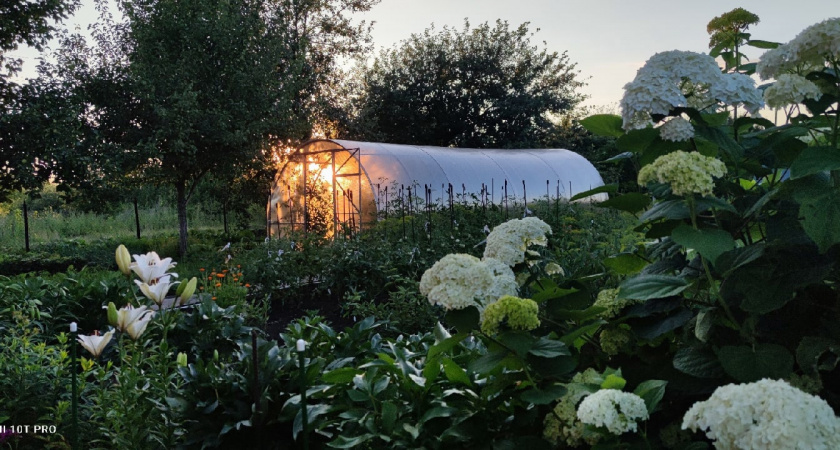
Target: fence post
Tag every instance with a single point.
(26, 225)
(136, 218)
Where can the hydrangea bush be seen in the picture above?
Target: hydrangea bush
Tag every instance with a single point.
(736, 280)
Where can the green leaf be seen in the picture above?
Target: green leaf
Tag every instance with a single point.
(651, 391)
(431, 371)
(660, 326)
(608, 188)
(619, 157)
(549, 348)
(604, 125)
(349, 442)
(613, 381)
(445, 345)
(455, 373)
(709, 242)
(389, 416)
(588, 329)
(757, 43)
(668, 209)
(817, 353)
(637, 141)
(543, 396)
(488, 362)
(740, 256)
(577, 315)
(464, 320)
(340, 376)
(644, 287)
(747, 365)
(632, 202)
(813, 160)
(625, 263)
(716, 119)
(820, 217)
(709, 203)
(437, 412)
(698, 362)
(716, 135)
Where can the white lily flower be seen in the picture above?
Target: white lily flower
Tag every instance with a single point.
(95, 344)
(138, 326)
(149, 267)
(127, 315)
(156, 292)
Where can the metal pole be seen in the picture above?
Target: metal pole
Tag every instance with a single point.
(136, 218)
(304, 414)
(74, 431)
(25, 226)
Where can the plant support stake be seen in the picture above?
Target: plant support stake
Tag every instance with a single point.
(74, 432)
(26, 226)
(301, 350)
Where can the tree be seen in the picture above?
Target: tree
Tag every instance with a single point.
(29, 22)
(477, 87)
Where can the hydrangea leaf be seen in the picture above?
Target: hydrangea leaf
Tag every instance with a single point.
(464, 320)
(817, 353)
(820, 218)
(455, 373)
(709, 242)
(651, 391)
(813, 160)
(604, 125)
(698, 362)
(625, 263)
(609, 188)
(632, 202)
(543, 396)
(746, 364)
(645, 287)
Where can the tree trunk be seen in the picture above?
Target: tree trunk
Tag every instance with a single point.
(181, 190)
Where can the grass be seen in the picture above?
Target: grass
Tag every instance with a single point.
(50, 226)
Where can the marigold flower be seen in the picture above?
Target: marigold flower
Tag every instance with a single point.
(220, 275)
(201, 269)
(218, 284)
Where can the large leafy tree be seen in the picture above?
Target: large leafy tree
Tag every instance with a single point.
(32, 23)
(487, 86)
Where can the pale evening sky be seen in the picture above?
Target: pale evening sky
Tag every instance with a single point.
(608, 39)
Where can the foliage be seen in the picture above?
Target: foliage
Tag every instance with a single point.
(482, 87)
(739, 283)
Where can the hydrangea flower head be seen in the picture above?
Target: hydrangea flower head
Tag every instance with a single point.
(518, 313)
(608, 298)
(509, 241)
(790, 89)
(765, 414)
(810, 48)
(676, 130)
(455, 281)
(614, 410)
(686, 172)
(660, 85)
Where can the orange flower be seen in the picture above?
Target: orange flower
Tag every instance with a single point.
(201, 288)
(201, 269)
(247, 285)
(209, 278)
(212, 298)
(238, 266)
(218, 284)
(235, 279)
(220, 275)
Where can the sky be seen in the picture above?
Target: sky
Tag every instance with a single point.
(607, 39)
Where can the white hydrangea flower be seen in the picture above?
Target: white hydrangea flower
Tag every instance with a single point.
(614, 410)
(765, 414)
(686, 172)
(790, 89)
(737, 88)
(504, 281)
(509, 241)
(813, 46)
(676, 130)
(459, 280)
(456, 281)
(660, 85)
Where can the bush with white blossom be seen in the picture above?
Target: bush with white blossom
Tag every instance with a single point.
(765, 414)
(614, 410)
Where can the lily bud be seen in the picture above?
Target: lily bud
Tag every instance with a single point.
(215, 356)
(113, 317)
(187, 291)
(182, 359)
(123, 260)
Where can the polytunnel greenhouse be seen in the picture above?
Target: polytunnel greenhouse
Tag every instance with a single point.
(327, 185)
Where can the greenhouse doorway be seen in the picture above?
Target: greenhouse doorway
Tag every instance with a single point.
(318, 190)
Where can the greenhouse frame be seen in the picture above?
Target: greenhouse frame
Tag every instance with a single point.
(326, 185)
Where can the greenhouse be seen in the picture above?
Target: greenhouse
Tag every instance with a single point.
(326, 184)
